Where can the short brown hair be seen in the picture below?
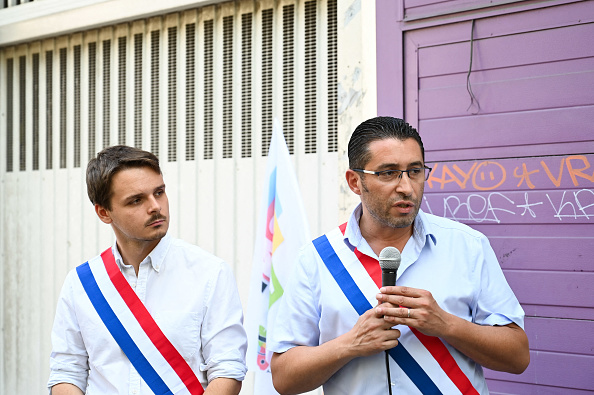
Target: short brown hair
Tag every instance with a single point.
(100, 170)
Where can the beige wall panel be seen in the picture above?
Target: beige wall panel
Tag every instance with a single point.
(214, 202)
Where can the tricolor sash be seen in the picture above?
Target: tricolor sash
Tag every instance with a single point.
(400, 354)
(153, 356)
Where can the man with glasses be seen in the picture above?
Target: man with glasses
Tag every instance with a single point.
(451, 312)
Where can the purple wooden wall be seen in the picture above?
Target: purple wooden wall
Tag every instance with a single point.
(521, 167)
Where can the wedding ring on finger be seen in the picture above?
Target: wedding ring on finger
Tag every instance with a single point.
(408, 316)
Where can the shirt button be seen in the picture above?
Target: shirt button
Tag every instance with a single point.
(135, 391)
(133, 286)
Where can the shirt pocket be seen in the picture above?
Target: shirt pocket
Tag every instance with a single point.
(182, 328)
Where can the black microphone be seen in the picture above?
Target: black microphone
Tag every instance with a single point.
(389, 260)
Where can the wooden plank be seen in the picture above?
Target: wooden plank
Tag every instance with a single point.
(529, 48)
(429, 8)
(514, 207)
(544, 335)
(500, 21)
(554, 369)
(513, 174)
(501, 387)
(538, 68)
(551, 149)
(525, 94)
(545, 190)
(531, 252)
(578, 313)
(552, 288)
(554, 125)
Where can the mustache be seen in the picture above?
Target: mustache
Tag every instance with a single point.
(154, 218)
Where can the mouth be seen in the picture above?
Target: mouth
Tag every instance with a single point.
(156, 222)
(404, 207)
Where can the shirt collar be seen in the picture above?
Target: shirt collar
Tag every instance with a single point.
(353, 238)
(156, 257)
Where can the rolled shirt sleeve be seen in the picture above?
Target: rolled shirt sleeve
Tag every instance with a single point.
(496, 302)
(223, 338)
(69, 359)
(298, 316)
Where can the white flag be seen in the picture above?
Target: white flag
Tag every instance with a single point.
(282, 231)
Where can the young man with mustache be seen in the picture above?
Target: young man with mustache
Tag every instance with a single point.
(451, 312)
(151, 314)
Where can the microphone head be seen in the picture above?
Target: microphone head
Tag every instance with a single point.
(389, 258)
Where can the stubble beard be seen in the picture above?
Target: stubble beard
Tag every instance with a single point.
(384, 217)
(161, 231)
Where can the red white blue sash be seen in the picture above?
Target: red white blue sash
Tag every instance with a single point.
(157, 361)
(433, 354)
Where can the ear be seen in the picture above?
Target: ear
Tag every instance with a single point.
(103, 214)
(353, 179)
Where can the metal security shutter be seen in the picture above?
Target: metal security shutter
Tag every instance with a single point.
(200, 88)
(120, 68)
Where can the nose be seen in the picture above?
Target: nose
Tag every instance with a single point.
(404, 185)
(153, 204)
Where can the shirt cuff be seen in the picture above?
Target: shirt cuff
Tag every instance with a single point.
(501, 320)
(230, 365)
(66, 377)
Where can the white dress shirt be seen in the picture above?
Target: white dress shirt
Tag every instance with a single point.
(451, 260)
(193, 297)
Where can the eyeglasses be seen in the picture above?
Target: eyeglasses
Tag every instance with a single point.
(418, 174)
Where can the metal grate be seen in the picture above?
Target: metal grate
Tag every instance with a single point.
(190, 90)
(310, 77)
(289, 75)
(9, 115)
(22, 117)
(63, 106)
(332, 78)
(106, 92)
(35, 94)
(122, 90)
(266, 79)
(172, 94)
(155, 92)
(294, 42)
(208, 89)
(138, 90)
(246, 85)
(13, 3)
(49, 96)
(77, 55)
(228, 87)
(92, 98)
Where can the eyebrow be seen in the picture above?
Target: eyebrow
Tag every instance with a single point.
(139, 195)
(394, 166)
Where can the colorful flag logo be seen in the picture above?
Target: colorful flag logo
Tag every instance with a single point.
(282, 231)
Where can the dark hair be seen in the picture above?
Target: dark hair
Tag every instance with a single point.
(378, 128)
(100, 170)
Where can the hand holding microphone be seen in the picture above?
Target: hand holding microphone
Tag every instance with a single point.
(389, 261)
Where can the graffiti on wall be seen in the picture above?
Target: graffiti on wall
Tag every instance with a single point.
(523, 190)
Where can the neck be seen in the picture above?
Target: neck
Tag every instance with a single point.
(134, 252)
(380, 236)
